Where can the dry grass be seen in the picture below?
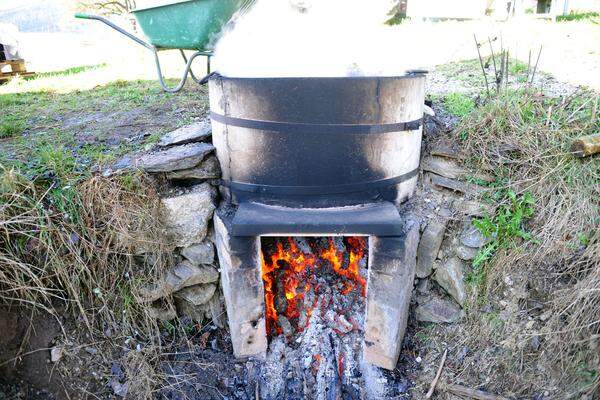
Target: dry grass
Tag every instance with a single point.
(524, 138)
(76, 246)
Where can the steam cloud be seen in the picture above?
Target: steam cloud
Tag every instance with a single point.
(325, 38)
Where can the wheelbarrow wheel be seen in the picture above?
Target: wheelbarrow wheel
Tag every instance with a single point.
(187, 71)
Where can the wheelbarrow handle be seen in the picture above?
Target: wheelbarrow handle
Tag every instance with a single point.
(115, 27)
(84, 16)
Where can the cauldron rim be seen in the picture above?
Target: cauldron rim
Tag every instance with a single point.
(408, 75)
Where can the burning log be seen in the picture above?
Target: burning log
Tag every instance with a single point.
(314, 289)
(289, 269)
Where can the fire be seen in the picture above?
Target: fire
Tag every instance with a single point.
(290, 268)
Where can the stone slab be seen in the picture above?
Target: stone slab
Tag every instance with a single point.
(195, 132)
(392, 263)
(239, 259)
(174, 158)
(429, 247)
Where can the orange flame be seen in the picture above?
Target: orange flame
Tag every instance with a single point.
(289, 268)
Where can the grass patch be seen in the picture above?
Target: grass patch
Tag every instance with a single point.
(10, 126)
(458, 104)
(68, 72)
(580, 16)
(467, 71)
(544, 237)
(64, 134)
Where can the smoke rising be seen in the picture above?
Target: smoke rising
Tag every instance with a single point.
(325, 38)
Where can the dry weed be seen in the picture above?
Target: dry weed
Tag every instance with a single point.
(524, 139)
(76, 246)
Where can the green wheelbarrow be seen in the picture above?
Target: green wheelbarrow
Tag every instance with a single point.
(180, 25)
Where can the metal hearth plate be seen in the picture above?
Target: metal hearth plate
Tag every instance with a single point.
(374, 219)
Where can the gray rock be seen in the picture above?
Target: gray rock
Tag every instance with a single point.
(119, 389)
(162, 312)
(152, 292)
(471, 237)
(451, 278)
(174, 158)
(209, 168)
(429, 246)
(440, 182)
(438, 310)
(201, 253)
(56, 353)
(443, 166)
(424, 286)
(466, 253)
(186, 274)
(187, 216)
(195, 132)
(217, 310)
(125, 162)
(185, 308)
(197, 294)
(446, 150)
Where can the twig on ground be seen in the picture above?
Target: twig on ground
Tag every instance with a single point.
(536, 65)
(494, 63)
(507, 62)
(487, 87)
(437, 375)
(528, 66)
(471, 393)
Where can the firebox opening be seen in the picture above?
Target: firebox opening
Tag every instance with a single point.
(314, 280)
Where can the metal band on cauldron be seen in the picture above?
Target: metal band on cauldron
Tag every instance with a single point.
(305, 128)
(318, 190)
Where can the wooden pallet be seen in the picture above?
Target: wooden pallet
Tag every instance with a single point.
(17, 68)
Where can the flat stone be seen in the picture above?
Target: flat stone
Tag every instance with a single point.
(124, 163)
(446, 150)
(186, 274)
(152, 292)
(209, 168)
(187, 216)
(471, 237)
(438, 310)
(174, 158)
(197, 294)
(451, 278)
(195, 132)
(185, 308)
(443, 166)
(429, 246)
(201, 253)
(465, 253)
(161, 312)
(440, 182)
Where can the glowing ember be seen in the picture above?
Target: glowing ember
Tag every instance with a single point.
(288, 272)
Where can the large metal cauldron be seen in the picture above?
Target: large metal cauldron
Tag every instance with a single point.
(316, 142)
